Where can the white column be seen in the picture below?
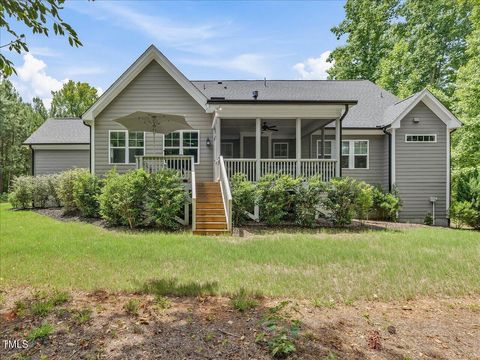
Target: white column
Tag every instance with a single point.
(338, 143)
(323, 142)
(298, 144)
(258, 144)
(216, 145)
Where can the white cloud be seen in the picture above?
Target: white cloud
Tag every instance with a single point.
(254, 64)
(43, 51)
(186, 36)
(34, 81)
(99, 90)
(314, 68)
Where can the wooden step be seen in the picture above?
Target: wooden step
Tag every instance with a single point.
(210, 206)
(210, 199)
(210, 211)
(211, 232)
(212, 226)
(212, 218)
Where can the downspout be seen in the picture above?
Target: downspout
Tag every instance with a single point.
(340, 142)
(89, 146)
(384, 129)
(33, 160)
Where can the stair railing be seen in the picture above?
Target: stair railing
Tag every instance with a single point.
(194, 196)
(226, 193)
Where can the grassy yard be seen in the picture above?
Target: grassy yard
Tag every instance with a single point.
(39, 251)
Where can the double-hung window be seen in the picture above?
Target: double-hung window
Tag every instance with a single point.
(355, 154)
(124, 145)
(183, 142)
(329, 149)
(280, 150)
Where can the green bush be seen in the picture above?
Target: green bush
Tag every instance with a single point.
(307, 199)
(65, 187)
(345, 199)
(275, 196)
(86, 188)
(243, 198)
(41, 191)
(53, 181)
(364, 203)
(428, 219)
(386, 205)
(165, 199)
(466, 197)
(21, 195)
(122, 199)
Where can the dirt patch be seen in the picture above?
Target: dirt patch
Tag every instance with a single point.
(120, 326)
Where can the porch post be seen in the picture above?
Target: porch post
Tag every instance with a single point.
(298, 144)
(217, 146)
(323, 142)
(258, 144)
(338, 142)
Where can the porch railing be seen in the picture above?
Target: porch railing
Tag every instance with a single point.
(226, 193)
(184, 164)
(308, 167)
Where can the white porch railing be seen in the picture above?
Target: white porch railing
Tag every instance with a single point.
(182, 163)
(308, 167)
(226, 193)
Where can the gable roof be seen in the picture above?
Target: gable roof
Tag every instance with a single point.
(151, 54)
(372, 100)
(395, 113)
(60, 131)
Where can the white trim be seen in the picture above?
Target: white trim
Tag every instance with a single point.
(433, 104)
(351, 154)
(151, 54)
(393, 159)
(346, 131)
(180, 147)
(421, 142)
(127, 147)
(280, 111)
(226, 143)
(448, 174)
(280, 143)
(61, 147)
(332, 149)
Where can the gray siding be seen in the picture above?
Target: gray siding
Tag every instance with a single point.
(421, 168)
(55, 161)
(156, 91)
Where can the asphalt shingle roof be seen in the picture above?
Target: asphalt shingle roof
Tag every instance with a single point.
(373, 101)
(60, 131)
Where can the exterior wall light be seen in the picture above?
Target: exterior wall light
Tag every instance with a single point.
(209, 143)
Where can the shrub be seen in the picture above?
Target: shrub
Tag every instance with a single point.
(65, 187)
(41, 191)
(122, 199)
(428, 219)
(165, 198)
(21, 196)
(466, 207)
(386, 205)
(346, 198)
(243, 198)
(307, 199)
(53, 181)
(364, 202)
(86, 188)
(242, 301)
(275, 196)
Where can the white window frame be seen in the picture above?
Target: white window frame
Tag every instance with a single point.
(180, 147)
(230, 144)
(280, 157)
(421, 142)
(126, 147)
(332, 149)
(351, 154)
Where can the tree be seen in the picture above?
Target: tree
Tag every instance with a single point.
(428, 47)
(37, 15)
(72, 99)
(366, 26)
(39, 108)
(17, 121)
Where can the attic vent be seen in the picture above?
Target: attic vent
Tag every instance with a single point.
(219, 83)
(255, 94)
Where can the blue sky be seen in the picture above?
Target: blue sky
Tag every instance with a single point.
(205, 40)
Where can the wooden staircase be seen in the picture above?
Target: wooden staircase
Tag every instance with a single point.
(210, 212)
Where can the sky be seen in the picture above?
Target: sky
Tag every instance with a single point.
(204, 39)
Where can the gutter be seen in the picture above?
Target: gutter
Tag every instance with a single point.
(285, 102)
(384, 129)
(32, 151)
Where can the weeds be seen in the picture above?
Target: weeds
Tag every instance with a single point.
(281, 345)
(242, 301)
(131, 307)
(40, 332)
(83, 316)
(323, 303)
(162, 302)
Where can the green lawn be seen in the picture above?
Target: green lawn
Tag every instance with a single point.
(39, 251)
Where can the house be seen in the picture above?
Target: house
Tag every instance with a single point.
(304, 128)
(59, 145)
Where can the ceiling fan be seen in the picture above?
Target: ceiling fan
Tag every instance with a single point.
(266, 127)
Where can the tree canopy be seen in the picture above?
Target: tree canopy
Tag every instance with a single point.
(40, 16)
(72, 99)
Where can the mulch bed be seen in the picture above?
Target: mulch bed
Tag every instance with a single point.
(210, 328)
